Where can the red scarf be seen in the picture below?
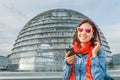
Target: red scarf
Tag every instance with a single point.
(85, 49)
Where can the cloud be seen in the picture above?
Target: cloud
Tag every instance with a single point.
(112, 33)
(10, 24)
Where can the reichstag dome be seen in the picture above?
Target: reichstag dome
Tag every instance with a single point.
(41, 44)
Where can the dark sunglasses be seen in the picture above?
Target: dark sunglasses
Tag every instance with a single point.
(87, 30)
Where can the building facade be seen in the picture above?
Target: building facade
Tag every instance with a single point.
(41, 44)
(3, 63)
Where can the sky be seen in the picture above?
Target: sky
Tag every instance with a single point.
(14, 14)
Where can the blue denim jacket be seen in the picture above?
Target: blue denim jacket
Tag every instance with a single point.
(97, 67)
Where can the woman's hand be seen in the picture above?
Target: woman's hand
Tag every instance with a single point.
(96, 48)
(70, 59)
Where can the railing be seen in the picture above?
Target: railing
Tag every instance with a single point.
(43, 75)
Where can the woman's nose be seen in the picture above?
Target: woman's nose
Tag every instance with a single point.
(83, 32)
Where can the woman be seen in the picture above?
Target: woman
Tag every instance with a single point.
(91, 66)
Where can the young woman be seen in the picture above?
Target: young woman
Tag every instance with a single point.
(91, 64)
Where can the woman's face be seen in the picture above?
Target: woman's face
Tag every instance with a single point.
(85, 32)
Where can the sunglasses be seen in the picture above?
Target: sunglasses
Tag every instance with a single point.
(87, 30)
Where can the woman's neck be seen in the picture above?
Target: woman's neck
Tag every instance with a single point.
(82, 44)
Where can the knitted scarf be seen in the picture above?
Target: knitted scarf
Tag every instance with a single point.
(85, 49)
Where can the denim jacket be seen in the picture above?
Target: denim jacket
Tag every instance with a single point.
(97, 67)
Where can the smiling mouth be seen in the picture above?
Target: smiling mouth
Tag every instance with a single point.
(83, 37)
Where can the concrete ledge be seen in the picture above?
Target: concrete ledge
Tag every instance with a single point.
(29, 75)
(43, 75)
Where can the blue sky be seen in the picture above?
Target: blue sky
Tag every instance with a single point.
(14, 14)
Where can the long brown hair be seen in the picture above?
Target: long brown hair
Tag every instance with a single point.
(95, 33)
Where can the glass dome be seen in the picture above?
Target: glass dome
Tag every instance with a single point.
(41, 44)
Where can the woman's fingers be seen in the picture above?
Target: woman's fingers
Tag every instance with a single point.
(67, 54)
(96, 48)
(69, 59)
